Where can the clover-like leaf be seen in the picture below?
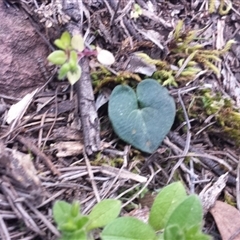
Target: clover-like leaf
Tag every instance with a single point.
(64, 42)
(144, 118)
(77, 42)
(57, 57)
(73, 77)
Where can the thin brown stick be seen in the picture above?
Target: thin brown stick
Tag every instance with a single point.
(38, 153)
(44, 219)
(90, 173)
(87, 108)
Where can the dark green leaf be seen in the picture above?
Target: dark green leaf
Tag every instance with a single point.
(103, 213)
(142, 119)
(165, 203)
(128, 228)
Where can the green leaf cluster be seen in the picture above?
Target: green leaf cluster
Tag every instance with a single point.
(173, 216)
(74, 225)
(136, 12)
(69, 220)
(72, 50)
(207, 103)
(67, 57)
(177, 215)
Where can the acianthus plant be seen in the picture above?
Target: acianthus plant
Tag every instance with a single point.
(173, 216)
(142, 118)
(72, 50)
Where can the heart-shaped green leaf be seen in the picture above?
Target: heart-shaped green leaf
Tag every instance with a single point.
(144, 118)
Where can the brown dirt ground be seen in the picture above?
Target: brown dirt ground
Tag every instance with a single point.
(51, 131)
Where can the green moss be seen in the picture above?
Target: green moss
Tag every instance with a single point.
(227, 118)
(103, 160)
(223, 8)
(185, 59)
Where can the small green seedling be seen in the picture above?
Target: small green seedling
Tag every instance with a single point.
(74, 225)
(72, 50)
(136, 12)
(173, 216)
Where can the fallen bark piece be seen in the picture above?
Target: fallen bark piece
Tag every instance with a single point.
(122, 174)
(86, 100)
(68, 149)
(46, 159)
(87, 108)
(209, 195)
(66, 134)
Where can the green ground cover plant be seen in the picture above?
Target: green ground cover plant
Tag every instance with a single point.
(141, 119)
(173, 216)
